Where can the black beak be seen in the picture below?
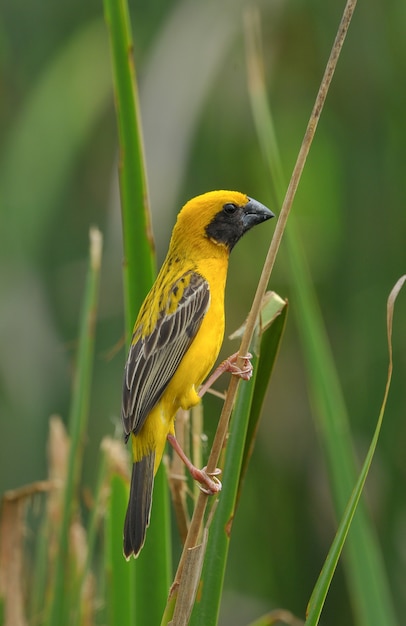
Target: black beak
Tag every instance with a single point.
(254, 213)
(230, 224)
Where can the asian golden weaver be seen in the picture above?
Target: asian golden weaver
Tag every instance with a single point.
(176, 340)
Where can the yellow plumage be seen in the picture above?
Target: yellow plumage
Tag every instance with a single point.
(177, 336)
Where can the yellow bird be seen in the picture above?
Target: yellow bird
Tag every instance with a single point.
(176, 340)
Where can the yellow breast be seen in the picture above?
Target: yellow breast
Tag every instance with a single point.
(182, 391)
(203, 352)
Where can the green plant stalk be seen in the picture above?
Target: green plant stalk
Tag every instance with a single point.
(151, 571)
(59, 610)
(208, 605)
(270, 345)
(207, 608)
(153, 565)
(223, 424)
(119, 575)
(139, 258)
(366, 575)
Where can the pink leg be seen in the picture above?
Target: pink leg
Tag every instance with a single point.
(211, 483)
(229, 365)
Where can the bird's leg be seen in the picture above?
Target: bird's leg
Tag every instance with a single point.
(229, 365)
(210, 483)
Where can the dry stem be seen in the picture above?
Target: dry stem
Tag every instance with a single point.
(197, 520)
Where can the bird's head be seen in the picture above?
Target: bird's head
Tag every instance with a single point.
(221, 217)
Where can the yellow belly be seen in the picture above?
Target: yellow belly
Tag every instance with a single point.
(195, 366)
(153, 434)
(203, 352)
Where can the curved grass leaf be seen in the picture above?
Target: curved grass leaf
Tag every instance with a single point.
(320, 590)
(364, 567)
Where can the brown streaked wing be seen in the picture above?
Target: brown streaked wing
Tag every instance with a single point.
(153, 360)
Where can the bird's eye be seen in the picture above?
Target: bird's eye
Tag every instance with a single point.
(230, 208)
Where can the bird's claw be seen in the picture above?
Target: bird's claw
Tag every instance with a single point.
(209, 483)
(244, 372)
(216, 472)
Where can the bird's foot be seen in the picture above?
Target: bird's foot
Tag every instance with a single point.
(208, 482)
(229, 365)
(244, 372)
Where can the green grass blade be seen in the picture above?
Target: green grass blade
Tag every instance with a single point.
(364, 567)
(367, 580)
(150, 577)
(153, 566)
(139, 260)
(269, 346)
(320, 590)
(208, 605)
(59, 609)
(119, 575)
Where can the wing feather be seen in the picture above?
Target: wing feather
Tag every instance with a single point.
(153, 359)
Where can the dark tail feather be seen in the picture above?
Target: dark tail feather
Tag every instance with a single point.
(139, 505)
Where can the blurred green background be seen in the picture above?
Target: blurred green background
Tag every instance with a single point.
(58, 176)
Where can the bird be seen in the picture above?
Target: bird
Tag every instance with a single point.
(176, 340)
